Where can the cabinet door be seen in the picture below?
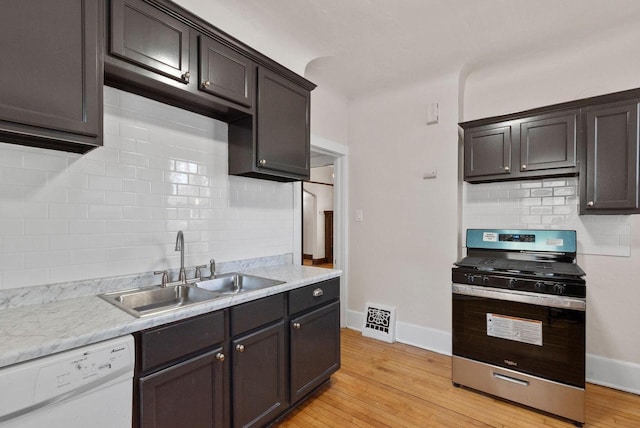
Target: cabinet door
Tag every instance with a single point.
(189, 394)
(315, 349)
(146, 36)
(549, 143)
(51, 80)
(283, 125)
(612, 159)
(258, 376)
(487, 151)
(226, 73)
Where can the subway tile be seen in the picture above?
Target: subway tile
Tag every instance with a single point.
(149, 174)
(86, 196)
(176, 177)
(86, 227)
(69, 180)
(134, 132)
(11, 261)
(148, 200)
(130, 213)
(20, 176)
(530, 202)
(554, 183)
(134, 159)
(530, 184)
(105, 183)
(541, 192)
(520, 193)
(46, 259)
(24, 277)
(85, 256)
(136, 186)
(67, 242)
(553, 201)
(541, 210)
(105, 212)
(187, 190)
(564, 191)
(25, 244)
(87, 166)
(119, 198)
(45, 162)
(9, 156)
(45, 227)
(68, 211)
(121, 171)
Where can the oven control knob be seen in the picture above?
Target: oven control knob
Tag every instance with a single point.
(485, 280)
(539, 285)
(471, 279)
(558, 288)
(511, 283)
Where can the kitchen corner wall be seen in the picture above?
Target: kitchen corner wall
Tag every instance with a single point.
(117, 209)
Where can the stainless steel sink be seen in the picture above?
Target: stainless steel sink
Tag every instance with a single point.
(147, 301)
(233, 283)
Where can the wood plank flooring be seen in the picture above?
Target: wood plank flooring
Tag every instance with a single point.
(397, 385)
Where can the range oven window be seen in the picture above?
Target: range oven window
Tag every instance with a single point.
(556, 353)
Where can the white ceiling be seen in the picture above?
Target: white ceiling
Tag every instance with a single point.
(357, 46)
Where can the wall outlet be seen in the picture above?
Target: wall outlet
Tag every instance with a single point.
(430, 173)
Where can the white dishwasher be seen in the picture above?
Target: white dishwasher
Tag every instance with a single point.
(90, 386)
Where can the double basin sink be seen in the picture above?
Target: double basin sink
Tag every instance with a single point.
(154, 300)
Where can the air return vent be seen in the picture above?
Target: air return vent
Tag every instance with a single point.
(380, 322)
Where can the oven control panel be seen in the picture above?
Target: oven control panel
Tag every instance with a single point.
(519, 283)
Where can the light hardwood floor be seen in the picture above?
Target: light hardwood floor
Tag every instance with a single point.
(397, 385)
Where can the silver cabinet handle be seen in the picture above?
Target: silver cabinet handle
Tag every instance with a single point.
(524, 167)
(206, 84)
(296, 325)
(186, 76)
(590, 203)
(220, 356)
(240, 348)
(318, 292)
(506, 168)
(262, 162)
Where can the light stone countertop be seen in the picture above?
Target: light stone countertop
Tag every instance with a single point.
(28, 332)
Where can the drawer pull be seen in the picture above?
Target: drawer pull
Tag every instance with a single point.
(510, 379)
(296, 325)
(220, 356)
(318, 292)
(240, 348)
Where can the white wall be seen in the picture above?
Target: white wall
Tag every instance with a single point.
(329, 114)
(608, 64)
(401, 254)
(117, 209)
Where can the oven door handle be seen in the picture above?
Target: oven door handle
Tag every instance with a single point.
(550, 300)
(510, 379)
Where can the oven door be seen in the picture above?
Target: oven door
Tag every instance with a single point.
(538, 334)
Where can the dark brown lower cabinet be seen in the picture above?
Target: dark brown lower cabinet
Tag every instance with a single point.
(188, 394)
(258, 373)
(315, 349)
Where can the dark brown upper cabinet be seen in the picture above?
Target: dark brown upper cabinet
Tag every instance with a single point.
(226, 73)
(610, 178)
(150, 38)
(161, 51)
(542, 145)
(275, 144)
(52, 76)
(487, 151)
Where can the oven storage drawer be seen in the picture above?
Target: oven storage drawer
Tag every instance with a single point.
(539, 340)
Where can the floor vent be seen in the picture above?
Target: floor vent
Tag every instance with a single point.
(380, 322)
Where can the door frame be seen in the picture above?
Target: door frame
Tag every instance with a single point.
(340, 153)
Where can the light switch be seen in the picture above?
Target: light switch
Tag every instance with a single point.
(430, 173)
(359, 215)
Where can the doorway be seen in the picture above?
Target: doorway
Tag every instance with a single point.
(317, 213)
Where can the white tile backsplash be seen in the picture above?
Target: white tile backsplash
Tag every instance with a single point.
(117, 209)
(544, 204)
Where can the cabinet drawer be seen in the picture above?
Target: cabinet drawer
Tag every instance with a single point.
(254, 314)
(161, 345)
(313, 295)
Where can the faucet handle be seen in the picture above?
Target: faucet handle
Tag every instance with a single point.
(165, 276)
(212, 267)
(199, 271)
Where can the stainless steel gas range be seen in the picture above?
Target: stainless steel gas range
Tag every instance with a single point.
(519, 308)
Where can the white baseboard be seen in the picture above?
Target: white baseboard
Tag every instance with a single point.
(422, 337)
(612, 373)
(608, 372)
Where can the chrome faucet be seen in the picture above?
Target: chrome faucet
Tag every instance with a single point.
(182, 275)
